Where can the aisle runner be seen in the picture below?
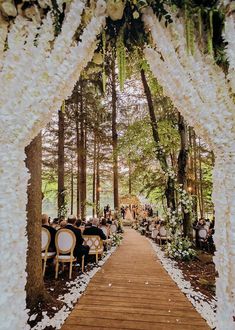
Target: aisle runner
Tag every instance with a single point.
(133, 291)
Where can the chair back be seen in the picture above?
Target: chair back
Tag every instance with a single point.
(162, 231)
(45, 240)
(152, 226)
(113, 229)
(154, 233)
(104, 230)
(93, 241)
(206, 227)
(202, 233)
(65, 241)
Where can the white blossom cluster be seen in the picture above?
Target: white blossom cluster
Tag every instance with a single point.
(185, 199)
(180, 248)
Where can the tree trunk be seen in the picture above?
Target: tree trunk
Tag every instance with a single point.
(78, 155)
(200, 180)
(195, 190)
(182, 169)
(98, 180)
(83, 153)
(170, 185)
(72, 189)
(94, 178)
(35, 290)
(129, 177)
(114, 136)
(61, 188)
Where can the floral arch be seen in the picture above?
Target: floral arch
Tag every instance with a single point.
(36, 78)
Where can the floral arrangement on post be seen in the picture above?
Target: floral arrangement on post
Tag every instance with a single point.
(116, 239)
(181, 249)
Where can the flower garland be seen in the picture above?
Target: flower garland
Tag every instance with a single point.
(35, 69)
(199, 90)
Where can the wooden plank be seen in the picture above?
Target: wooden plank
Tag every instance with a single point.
(133, 291)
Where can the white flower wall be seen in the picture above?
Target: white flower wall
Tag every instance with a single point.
(200, 91)
(34, 80)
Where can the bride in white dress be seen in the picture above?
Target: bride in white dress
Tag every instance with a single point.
(128, 215)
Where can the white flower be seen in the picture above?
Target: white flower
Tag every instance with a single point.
(115, 9)
(136, 14)
(97, 58)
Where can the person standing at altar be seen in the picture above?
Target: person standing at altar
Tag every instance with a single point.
(134, 211)
(128, 215)
(123, 212)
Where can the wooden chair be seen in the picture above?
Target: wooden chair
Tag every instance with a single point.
(107, 242)
(154, 234)
(65, 241)
(96, 245)
(45, 242)
(104, 230)
(202, 235)
(113, 229)
(163, 235)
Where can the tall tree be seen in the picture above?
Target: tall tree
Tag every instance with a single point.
(35, 286)
(78, 147)
(94, 176)
(114, 134)
(182, 168)
(72, 187)
(170, 185)
(61, 187)
(83, 151)
(97, 202)
(200, 190)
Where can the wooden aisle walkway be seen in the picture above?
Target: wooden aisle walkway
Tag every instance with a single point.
(133, 291)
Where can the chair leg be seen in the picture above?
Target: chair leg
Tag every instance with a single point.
(56, 269)
(70, 269)
(97, 257)
(83, 264)
(44, 267)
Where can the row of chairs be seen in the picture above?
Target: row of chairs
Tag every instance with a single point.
(160, 235)
(65, 241)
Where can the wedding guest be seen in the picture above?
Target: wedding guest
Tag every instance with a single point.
(123, 212)
(105, 227)
(45, 224)
(80, 249)
(94, 230)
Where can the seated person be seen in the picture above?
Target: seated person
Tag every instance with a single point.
(104, 227)
(45, 224)
(55, 223)
(94, 230)
(80, 249)
(88, 223)
(78, 223)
